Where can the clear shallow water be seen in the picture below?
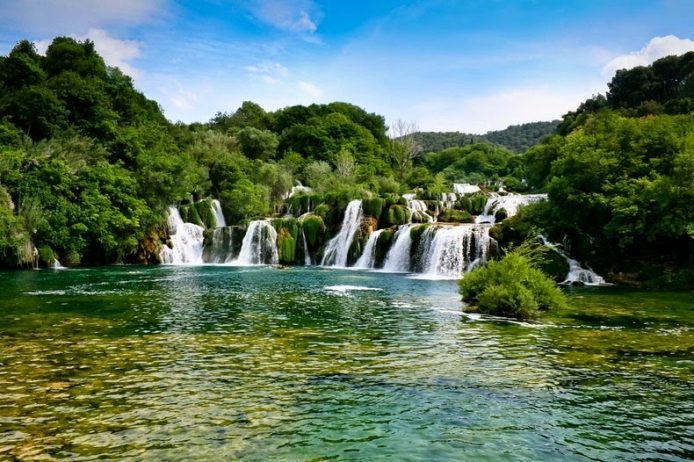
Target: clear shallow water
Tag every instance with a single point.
(220, 363)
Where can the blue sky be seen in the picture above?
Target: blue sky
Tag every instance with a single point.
(469, 66)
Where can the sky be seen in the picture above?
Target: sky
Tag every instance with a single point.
(467, 65)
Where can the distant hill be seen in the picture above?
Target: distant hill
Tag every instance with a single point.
(516, 138)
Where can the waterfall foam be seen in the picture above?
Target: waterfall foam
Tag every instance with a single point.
(465, 188)
(337, 250)
(419, 211)
(577, 274)
(398, 257)
(368, 257)
(510, 202)
(449, 251)
(218, 214)
(186, 239)
(259, 246)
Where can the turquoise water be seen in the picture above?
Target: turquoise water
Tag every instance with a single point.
(222, 363)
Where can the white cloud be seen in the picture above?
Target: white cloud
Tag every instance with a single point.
(267, 71)
(310, 89)
(116, 52)
(289, 15)
(496, 111)
(53, 17)
(656, 48)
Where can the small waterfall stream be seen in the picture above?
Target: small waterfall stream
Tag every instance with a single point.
(577, 274)
(218, 214)
(368, 257)
(337, 250)
(398, 257)
(510, 202)
(307, 254)
(259, 246)
(186, 239)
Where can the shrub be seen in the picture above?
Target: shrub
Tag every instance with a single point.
(456, 216)
(513, 286)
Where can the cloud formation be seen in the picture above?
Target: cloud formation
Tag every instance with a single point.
(116, 52)
(310, 88)
(53, 17)
(290, 15)
(656, 48)
(267, 71)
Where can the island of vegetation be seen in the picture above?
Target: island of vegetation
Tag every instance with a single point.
(90, 169)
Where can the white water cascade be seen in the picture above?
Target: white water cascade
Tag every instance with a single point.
(577, 274)
(418, 209)
(510, 202)
(219, 216)
(368, 257)
(449, 251)
(398, 257)
(465, 188)
(186, 239)
(220, 248)
(337, 250)
(259, 246)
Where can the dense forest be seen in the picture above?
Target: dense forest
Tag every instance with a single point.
(89, 165)
(515, 138)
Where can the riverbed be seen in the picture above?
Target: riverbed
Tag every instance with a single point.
(264, 363)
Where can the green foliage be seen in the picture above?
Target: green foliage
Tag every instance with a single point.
(396, 215)
(373, 207)
(257, 144)
(512, 287)
(455, 216)
(314, 230)
(383, 244)
(473, 203)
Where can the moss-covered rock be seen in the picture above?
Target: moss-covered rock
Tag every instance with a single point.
(189, 214)
(373, 207)
(206, 213)
(500, 215)
(286, 246)
(396, 215)
(314, 230)
(555, 266)
(383, 244)
(473, 203)
(456, 216)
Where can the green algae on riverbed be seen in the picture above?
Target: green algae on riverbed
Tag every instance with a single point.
(255, 363)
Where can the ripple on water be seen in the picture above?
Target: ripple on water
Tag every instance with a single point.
(266, 364)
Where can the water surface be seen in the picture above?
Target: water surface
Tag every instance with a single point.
(221, 363)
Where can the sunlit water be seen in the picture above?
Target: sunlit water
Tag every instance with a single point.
(222, 363)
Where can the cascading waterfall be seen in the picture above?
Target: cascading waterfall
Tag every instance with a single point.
(448, 200)
(368, 257)
(577, 274)
(419, 210)
(449, 251)
(186, 239)
(398, 257)
(56, 264)
(337, 250)
(510, 202)
(259, 246)
(220, 249)
(218, 214)
(465, 188)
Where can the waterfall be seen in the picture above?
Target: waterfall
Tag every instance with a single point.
(465, 188)
(398, 257)
(448, 251)
(307, 254)
(220, 249)
(259, 245)
(448, 200)
(577, 274)
(219, 216)
(56, 264)
(419, 210)
(337, 250)
(511, 203)
(368, 257)
(186, 239)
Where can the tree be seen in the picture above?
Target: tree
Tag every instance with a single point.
(403, 146)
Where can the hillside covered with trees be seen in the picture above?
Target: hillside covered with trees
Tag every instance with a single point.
(89, 165)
